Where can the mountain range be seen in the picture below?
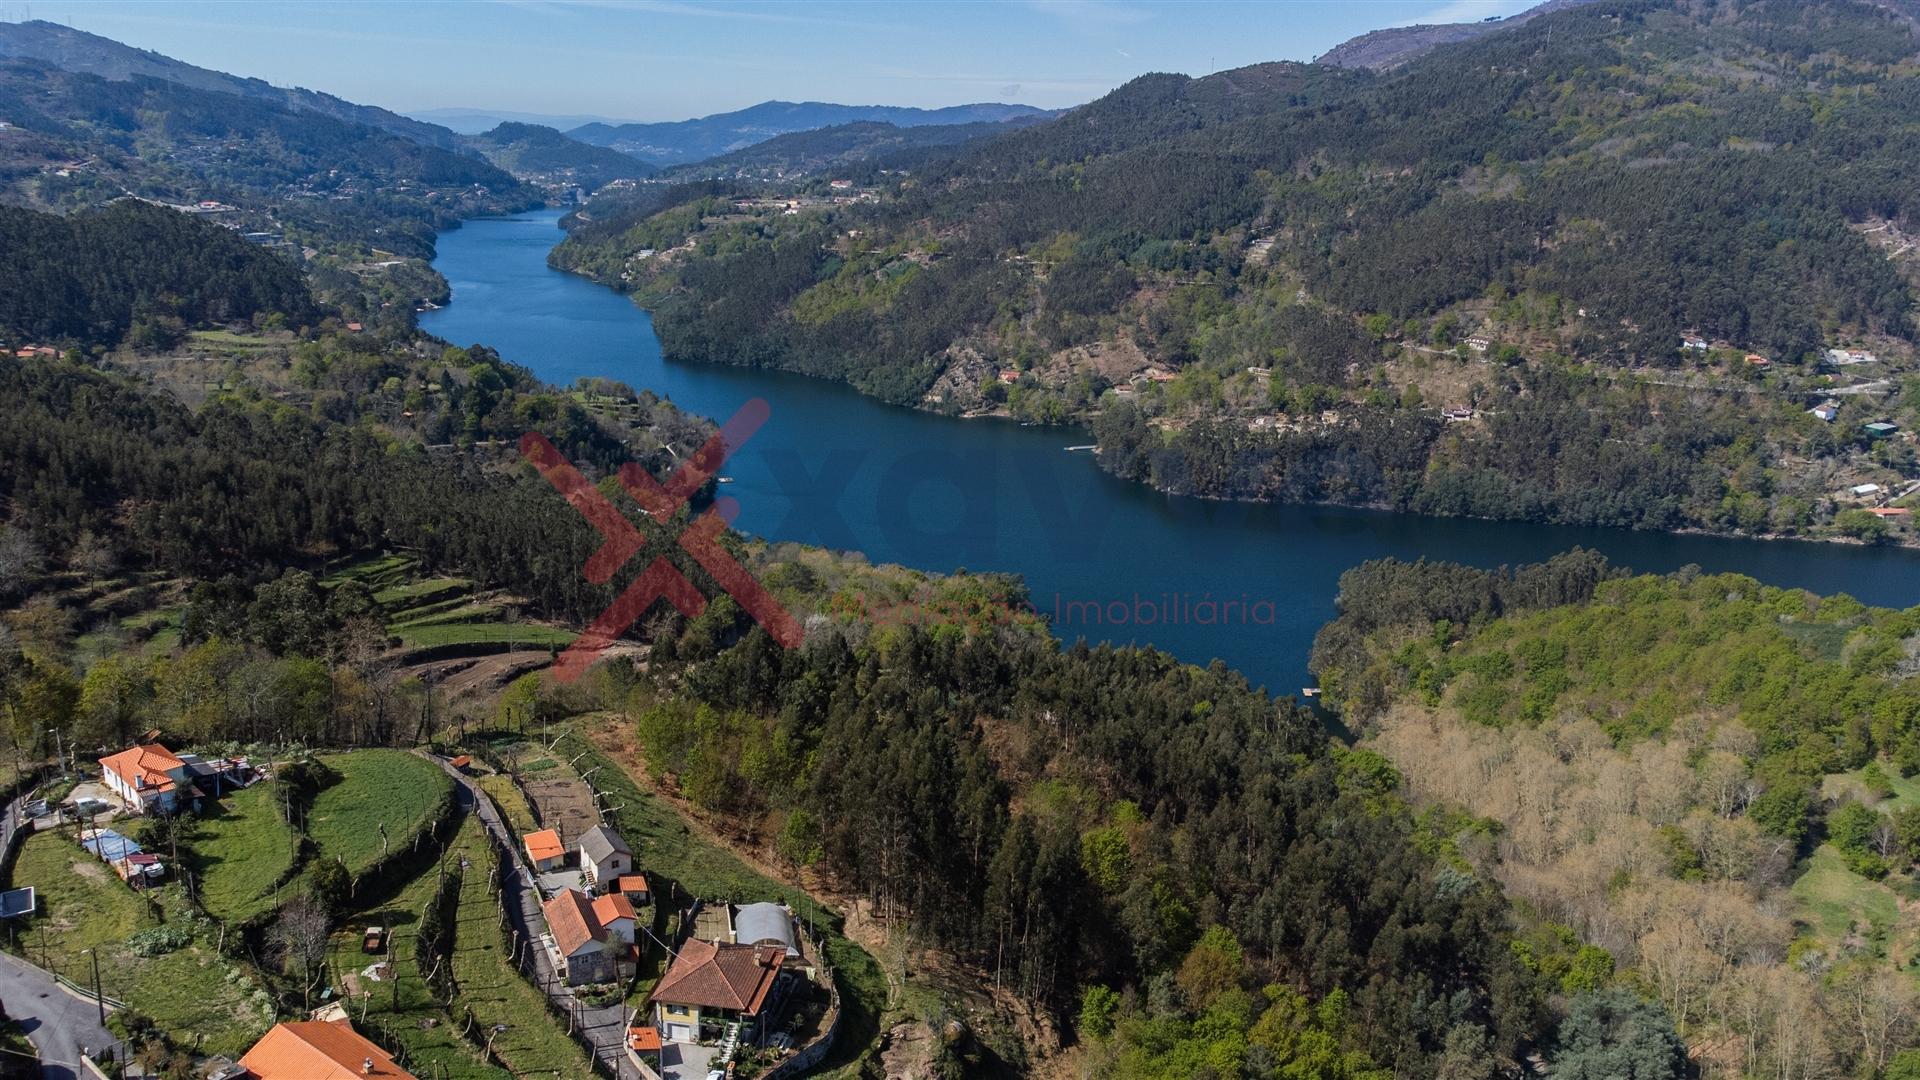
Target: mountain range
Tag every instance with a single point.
(80, 52)
(684, 141)
(843, 145)
(1379, 50)
(543, 155)
(1519, 275)
(466, 121)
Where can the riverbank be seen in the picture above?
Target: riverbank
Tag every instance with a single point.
(841, 470)
(1563, 451)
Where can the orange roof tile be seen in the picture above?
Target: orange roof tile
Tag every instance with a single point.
(462, 761)
(610, 907)
(632, 883)
(144, 767)
(543, 845)
(715, 976)
(571, 920)
(319, 1050)
(644, 1038)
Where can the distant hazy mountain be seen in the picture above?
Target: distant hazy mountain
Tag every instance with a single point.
(696, 140)
(90, 54)
(543, 155)
(1383, 49)
(844, 144)
(479, 121)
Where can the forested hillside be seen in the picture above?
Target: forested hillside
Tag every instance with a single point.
(68, 49)
(680, 142)
(543, 155)
(136, 271)
(78, 140)
(1283, 281)
(1706, 781)
(844, 145)
(1160, 851)
(1184, 866)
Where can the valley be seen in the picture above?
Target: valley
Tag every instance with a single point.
(1393, 566)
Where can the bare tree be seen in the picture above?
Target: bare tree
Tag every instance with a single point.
(21, 560)
(299, 939)
(93, 555)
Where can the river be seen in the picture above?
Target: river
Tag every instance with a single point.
(1108, 560)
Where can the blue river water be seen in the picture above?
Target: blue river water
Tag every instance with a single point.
(1105, 559)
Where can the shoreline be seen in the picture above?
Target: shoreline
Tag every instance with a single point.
(1079, 425)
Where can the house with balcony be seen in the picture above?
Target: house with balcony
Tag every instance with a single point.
(712, 984)
(604, 857)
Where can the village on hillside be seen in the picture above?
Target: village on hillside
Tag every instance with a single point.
(647, 984)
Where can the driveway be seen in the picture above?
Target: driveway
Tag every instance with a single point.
(686, 1061)
(61, 1025)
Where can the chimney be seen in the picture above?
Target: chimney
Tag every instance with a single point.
(366, 1066)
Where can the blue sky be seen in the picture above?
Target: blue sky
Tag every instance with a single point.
(671, 59)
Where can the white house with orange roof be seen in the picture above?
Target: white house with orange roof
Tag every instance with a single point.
(150, 777)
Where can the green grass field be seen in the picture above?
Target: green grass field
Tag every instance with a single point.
(533, 1044)
(1833, 898)
(414, 592)
(400, 1011)
(230, 341)
(487, 633)
(513, 802)
(242, 848)
(200, 999)
(377, 572)
(377, 787)
(460, 613)
(1906, 789)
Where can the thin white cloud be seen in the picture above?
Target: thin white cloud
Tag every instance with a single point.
(769, 13)
(1089, 14)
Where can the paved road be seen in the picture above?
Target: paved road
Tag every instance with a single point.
(60, 1024)
(605, 1028)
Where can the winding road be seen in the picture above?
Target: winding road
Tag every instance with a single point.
(61, 1024)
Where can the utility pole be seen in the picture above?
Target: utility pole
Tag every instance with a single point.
(99, 1002)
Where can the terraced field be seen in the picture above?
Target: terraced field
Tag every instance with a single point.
(242, 848)
(382, 799)
(488, 992)
(450, 632)
(400, 1008)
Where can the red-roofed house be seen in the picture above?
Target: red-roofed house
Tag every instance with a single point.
(714, 984)
(591, 950)
(615, 915)
(150, 778)
(319, 1050)
(634, 888)
(544, 850)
